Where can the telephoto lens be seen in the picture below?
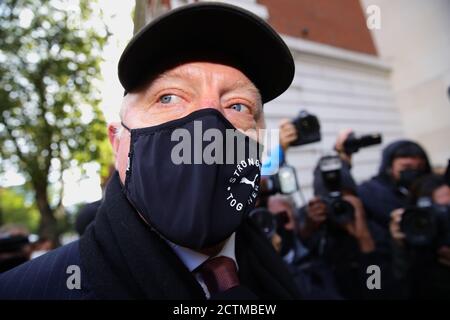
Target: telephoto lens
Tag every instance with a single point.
(353, 143)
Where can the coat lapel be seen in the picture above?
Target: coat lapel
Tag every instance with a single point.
(134, 255)
(260, 267)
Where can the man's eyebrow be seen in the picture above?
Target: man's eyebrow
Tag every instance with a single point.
(245, 85)
(242, 85)
(184, 75)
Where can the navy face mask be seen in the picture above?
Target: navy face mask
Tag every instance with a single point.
(195, 203)
(409, 176)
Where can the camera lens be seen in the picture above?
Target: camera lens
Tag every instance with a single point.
(264, 220)
(341, 211)
(419, 226)
(339, 207)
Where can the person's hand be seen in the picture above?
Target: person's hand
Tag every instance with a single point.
(394, 227)
(339, 146)
(358, 227)
(277, 242)
(444, 255)
(316, 215)
(288, 133)
(316, 212)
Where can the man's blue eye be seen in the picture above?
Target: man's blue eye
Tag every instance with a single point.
(167, 98)
(239, 107)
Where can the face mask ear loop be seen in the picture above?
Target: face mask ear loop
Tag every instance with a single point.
(123, 125)
(130, 153)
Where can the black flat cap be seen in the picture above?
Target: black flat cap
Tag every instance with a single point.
(212, 32)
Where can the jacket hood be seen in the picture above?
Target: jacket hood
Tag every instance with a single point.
(388, 157)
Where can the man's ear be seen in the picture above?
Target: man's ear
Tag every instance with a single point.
(113, 129)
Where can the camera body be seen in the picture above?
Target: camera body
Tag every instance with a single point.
(268, 222)
(353, 143)
(308, 128)
(284, 181)
(426, 223)
(340, 211)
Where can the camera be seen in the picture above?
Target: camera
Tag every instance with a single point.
(284, 181)
(308, 128)
(340, 211)
(353, 143)
(426, 223)
(267, 222)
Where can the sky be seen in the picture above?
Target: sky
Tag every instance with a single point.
(118, 18)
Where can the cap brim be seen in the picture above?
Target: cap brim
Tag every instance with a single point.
(213, 32)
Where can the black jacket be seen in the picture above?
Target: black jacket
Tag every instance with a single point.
(340, 251)
(380, 195)
(120, 257)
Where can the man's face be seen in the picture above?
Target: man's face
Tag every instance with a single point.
(181, 91)
(400, 164)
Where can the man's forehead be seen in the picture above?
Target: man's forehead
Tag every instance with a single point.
(408, 159)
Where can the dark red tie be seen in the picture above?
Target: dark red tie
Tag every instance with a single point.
(219, 274)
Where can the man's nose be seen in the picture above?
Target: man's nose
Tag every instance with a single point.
(211, 102)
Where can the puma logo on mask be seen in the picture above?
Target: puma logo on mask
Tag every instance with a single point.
(246, 181)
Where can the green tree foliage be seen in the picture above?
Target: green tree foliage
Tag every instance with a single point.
(50, 55)
(17, 209)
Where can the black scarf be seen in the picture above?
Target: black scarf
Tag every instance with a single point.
(123, 258)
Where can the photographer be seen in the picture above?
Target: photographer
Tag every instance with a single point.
(341, 239)
(402, 163)
(282, 208)
(421, 240)
(275, 217)
(316, 216)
